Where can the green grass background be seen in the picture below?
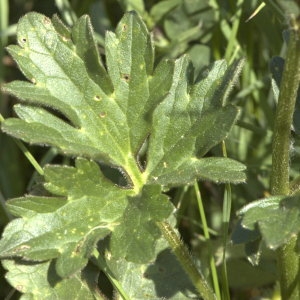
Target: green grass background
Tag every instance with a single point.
(207, 30)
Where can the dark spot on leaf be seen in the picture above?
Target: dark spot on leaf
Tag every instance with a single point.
(97, 98)
(102, 114)
(24, 40)
(160, 269)
(124, 27)
(126, 77)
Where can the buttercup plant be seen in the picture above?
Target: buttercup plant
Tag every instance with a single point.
(103, 114)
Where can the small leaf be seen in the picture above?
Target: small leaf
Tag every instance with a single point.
(135, 239)
(277, 218)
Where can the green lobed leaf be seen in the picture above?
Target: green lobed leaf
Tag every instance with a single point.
(277, 219)
(135, 239)
(32, 279)
(69, 233)
(183, 128)
(67, 75)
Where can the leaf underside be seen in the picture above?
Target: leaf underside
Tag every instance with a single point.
(276, 219)
(104, 114)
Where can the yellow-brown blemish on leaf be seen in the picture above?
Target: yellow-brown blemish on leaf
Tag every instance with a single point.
(20, 288)
(47, 21)
(102, 114)
(22, 248)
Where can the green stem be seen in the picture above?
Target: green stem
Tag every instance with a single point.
(227, 203)
(288, 259)
(186, 262)
(212, 262)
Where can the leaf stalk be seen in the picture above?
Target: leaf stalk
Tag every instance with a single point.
(186, 262)
(135, 174)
